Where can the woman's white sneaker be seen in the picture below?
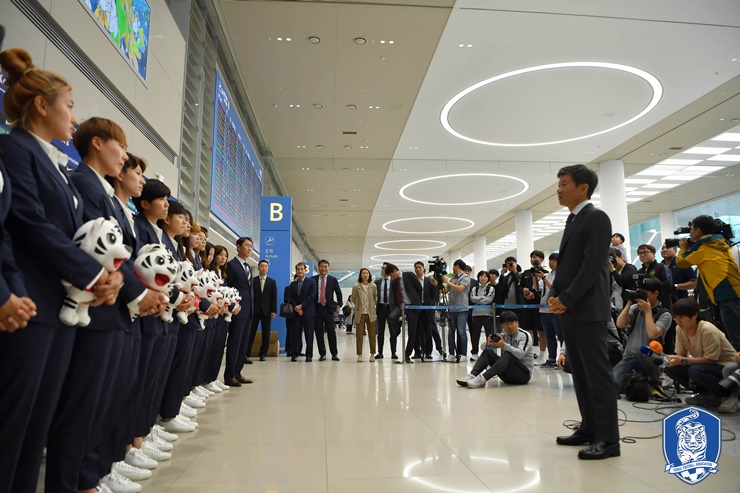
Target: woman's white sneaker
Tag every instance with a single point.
(177, 426)
(162, 445)
(221, 385)
(137, 458)
(182, 419)
(188, 411)
(120, 484)
(164, 435)
(213, 388)
(200, 392)
(152, 451)
(132, 472)
(193, 402)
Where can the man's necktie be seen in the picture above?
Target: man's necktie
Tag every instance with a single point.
(249, 274)
(262, 284)
(322, 297)
(300, 286)
(569, 221)
(385, 291)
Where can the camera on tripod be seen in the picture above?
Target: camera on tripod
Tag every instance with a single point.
(437, 267)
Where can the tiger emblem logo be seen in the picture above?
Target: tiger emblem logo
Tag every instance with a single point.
(691, 444)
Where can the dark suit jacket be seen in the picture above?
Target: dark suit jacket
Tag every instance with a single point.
(332, 288)
(306, 297)
(502, 288)
(412, 286)
(392, 296)
(583, 283)
(237, 277)
(265, 302)
(11, 277)
(42, 222)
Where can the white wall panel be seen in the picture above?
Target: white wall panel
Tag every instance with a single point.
(166, 43)
(160, 104)
(17, 29)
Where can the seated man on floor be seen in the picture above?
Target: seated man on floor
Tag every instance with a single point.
(644, 321)
(516, 362)
(702, 351)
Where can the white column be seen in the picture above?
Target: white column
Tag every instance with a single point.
(454, 255)
(667, 225)
(614, 197)
(479, 254)
(524, 238)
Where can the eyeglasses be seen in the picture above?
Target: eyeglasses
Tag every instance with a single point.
(510, 264)
(642, 252)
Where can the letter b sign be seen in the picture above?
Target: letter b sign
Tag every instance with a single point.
(276, 212)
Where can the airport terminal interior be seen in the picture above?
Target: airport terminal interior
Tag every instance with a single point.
(401, 131)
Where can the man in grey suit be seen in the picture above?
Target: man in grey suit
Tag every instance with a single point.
(580, 294)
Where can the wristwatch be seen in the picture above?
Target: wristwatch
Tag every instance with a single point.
(684, 361)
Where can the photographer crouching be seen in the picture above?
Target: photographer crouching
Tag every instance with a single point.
(516, 362)
(708, 247)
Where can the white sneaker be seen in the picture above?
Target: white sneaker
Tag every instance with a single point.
(474, 357)
(188, 411)
(137, 458)
(221, 385)
(213, 388)
(119, 484)
(208, 393)
(194, 403)
(164, 435)
(477, 382)
(199, 392)
(359, 359)
(372, 358)
(197, 397)
(152, 451)
(186, 420)
(132, 472)
(162, 445)
(176, 426)
(103, 488)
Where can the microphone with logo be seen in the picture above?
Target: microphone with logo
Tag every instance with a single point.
(655, 349)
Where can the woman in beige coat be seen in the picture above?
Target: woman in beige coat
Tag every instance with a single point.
(365, 296)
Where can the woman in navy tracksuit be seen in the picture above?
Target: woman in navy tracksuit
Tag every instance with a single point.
(45, 210)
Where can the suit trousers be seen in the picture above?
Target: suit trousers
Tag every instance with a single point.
(382, 313)
(196, 359)
(364, 322)
(325, 324)
(203, 355)
(217, 350)
(148, 374)
(31, 379)
(593, 379)
(237, 329)
(95, 360)
(177, 375)
(412, 324)
(266, 322)
(165, 350)
(302, 325)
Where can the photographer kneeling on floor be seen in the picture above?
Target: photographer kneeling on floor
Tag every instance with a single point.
(516, 362)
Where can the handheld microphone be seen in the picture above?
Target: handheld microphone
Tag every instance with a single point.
(657, 348)
(646, 351)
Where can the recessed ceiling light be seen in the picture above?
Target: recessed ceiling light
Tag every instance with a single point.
(382, 42)
(470, 46)
(728, 137)
(351, 106)
(360, 41)
(391, 42)
(280, 39)
(288, 39)
(638, 181)
(319, 146)
(317, 106)
(707, 150)
(685, 162)
(725, 157)
(661, 185)
(314, 40)
(649, 78)
(348, 147)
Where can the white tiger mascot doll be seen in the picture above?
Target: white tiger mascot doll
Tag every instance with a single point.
(157, 269)
(102, 239)
(185, 283)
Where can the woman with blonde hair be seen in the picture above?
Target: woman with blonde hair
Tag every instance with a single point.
(365, 296)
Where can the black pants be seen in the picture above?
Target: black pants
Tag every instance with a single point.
(383, 311)
(325, 323)
(412, 329)
(428, 327)
(508, 367)
(266, 321)
(301, 325)
(593, 379)
(239, 330)
(480, 322)
(177, 376)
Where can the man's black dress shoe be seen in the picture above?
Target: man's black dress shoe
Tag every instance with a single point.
(600, 450)
(243, 380)
(293, 359)
(310, 359)
(262, 358)
(576, 438)
(409, 361)
(335, 358)
(247, 361)
(233, 383)
(379, 356)
(323, 358)
(394, 356)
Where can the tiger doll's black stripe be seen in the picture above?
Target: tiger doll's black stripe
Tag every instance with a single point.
(69, 303)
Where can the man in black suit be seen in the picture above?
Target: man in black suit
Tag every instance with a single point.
(303, 300)
(326, 305)
(580, 294)
(239, 276)
(265, 307)
(387, 303)
(415, 290)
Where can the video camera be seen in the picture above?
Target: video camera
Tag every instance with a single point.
(437, 267)
(638, 293)
(720, 226)
(537, 267)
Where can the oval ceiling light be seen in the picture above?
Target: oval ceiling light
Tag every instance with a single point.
(402, 191)
(314, 40)
(438, 244)
(396, 256)
(649, 78)
(469, 225)
(359, 41)
(401, 265)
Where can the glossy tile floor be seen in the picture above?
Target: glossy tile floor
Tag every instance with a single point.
(349, 427)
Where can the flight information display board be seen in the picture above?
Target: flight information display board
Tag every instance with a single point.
(236, 178)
